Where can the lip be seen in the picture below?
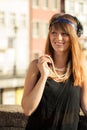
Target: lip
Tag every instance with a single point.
(59, 43)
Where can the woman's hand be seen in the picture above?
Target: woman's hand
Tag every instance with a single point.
(43, 65)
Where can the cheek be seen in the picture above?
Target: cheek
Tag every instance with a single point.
(51, 38)
(68, 40)
(68, 46)
(68, 43)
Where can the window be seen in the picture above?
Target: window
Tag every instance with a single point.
(10, 42)
(2, 18)
(23, 20)
(8, 96)
(81, 7)
(13, 19)
(55, 4)
(35, 3)
(72, 6)
(46, 3)
(45, 30)
(35, 29)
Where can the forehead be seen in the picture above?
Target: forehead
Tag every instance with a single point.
(58, 26)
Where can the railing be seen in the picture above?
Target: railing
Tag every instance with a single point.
(13, 118)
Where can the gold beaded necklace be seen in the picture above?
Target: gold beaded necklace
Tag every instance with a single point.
(54, 73)
(60, 69)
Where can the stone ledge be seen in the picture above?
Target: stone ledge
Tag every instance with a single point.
(11, 128)
(11, 108)
(13, 118)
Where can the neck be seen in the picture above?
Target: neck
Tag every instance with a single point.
(60, 61)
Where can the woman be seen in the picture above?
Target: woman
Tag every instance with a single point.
(56, 85)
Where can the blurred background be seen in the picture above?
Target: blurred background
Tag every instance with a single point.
(23, 31)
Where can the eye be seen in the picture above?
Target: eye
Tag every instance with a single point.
(64, 34)
(54, 33)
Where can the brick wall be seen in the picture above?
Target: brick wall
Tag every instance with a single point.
(13, 118)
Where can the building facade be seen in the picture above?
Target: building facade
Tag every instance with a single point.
(40, 13)
(78, 8)
(23, 31)
(14, 49)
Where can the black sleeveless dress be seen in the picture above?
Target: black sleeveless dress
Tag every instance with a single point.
(59, 107)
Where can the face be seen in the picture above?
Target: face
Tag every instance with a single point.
(60, 40)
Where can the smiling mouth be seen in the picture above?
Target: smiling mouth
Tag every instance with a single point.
(59, 43)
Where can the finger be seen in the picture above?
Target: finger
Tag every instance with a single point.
(49, 57)
(45, 58)
(41, 61)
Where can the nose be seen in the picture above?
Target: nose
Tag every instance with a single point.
(59, 37)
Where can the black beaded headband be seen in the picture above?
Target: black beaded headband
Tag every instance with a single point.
(63, 20)
(78, 28)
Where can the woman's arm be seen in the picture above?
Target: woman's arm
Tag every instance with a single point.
(84, 90)
(33, 89)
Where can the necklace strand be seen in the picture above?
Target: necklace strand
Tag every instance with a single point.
(63, 76)
(60, 69)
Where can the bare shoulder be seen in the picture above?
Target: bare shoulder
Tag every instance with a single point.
(84, 67)
(32, 71)
(33, 65)
(31, 76)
